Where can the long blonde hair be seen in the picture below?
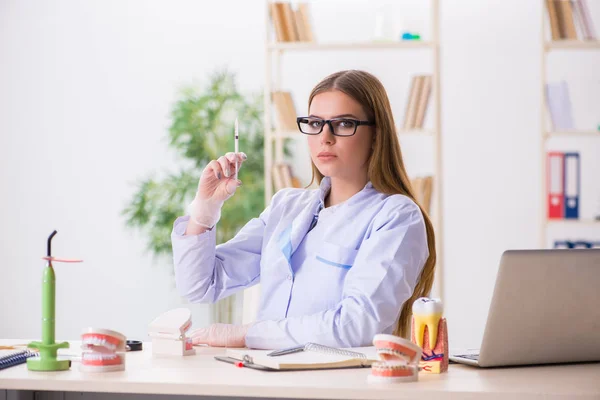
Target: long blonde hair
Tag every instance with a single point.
(386, 168)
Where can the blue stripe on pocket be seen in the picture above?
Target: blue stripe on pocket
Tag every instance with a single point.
(345, 266)
(285, 243)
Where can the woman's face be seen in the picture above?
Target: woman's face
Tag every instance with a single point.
(335, 156)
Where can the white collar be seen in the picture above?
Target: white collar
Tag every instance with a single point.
(325, 187)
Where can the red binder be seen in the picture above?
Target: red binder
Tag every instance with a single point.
(556, 206)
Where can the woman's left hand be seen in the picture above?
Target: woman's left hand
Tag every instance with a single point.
(221, 335)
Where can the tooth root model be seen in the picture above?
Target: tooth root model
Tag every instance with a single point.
(429, 332)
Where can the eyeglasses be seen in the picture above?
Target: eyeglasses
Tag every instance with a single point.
(337, 126)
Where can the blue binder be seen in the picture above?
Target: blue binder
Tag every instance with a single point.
(572, 185)
(578, 244)
(563, 244)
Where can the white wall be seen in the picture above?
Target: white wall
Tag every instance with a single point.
(84, 111)
(85, 91)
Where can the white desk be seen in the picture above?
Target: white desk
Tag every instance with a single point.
(201, 375)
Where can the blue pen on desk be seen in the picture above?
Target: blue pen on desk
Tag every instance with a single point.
(290, 350)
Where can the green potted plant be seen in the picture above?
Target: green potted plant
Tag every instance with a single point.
(202, 129)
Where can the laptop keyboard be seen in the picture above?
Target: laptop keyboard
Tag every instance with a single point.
(469, 356)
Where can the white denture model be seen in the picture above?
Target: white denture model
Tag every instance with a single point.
(168, 333)
(402, 360)
(103, 350)
(399, 360)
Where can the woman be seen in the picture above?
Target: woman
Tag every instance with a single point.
(337, 264)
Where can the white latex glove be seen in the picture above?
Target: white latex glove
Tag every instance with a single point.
(218, 183)
(221, 335)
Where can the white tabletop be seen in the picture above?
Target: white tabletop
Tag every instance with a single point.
(202, 375)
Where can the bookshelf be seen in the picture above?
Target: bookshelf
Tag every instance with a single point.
(572, 45)
(560, 44)
(572, 133)
(274, 138)
(303, 46)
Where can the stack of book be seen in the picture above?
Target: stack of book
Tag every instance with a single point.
(563, 184)
(285, 112)
(291, 25)
(570, 19)
(418, 100)
(559, 106)
(422, 188)
(283, 177)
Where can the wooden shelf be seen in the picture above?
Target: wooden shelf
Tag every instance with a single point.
(572, 45)
(415, 132)
(547, 133)
(581, 222)
(573, 133)
(309, 46)
(400, 132)
(287, 135)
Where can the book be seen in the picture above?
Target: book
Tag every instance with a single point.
(412, 103)
(278, 181)
(276, 12)
(303, 23)
(564, 10)
(582, 10)
(283, 176)
(553, 17)
(285, 112)
(289, 21)
(312, 356)
(555, 185)
(291, 25)
(423, 101)
(422, 188)
(559, 104)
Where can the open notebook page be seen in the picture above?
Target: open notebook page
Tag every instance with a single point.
(305, 359)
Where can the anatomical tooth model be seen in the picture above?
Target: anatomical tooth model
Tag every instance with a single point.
(429, 331)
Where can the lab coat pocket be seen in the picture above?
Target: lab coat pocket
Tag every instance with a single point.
(336, 256)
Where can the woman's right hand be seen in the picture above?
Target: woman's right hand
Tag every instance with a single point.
(218, 180)
(218, 183)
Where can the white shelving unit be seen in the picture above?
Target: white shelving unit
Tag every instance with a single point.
(274, 140)
(573, 133)
(547, 48)
(571, 44)
(303, 46)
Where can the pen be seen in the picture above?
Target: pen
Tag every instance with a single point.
(237, 139)
(290, 350)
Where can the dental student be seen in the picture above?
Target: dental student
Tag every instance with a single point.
(337, 264)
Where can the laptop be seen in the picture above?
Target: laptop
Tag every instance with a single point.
(545, 309)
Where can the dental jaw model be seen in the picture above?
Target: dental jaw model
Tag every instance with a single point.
(430, 333)
(103, 351)
(168, 333)
(399, 360)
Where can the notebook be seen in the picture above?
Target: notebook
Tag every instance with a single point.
(9, 358)
(313, 356)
